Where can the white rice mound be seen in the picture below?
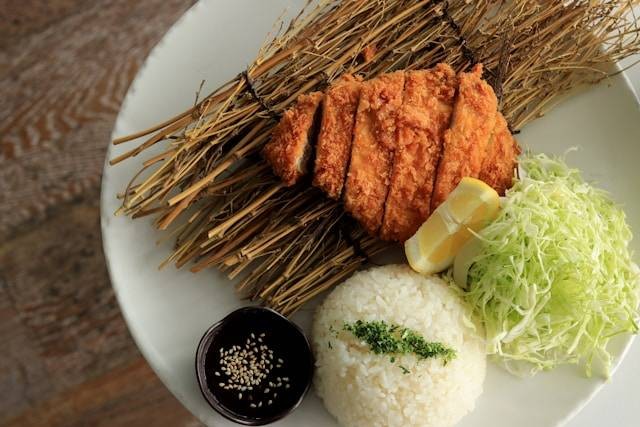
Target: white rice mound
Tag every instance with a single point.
(362, 389)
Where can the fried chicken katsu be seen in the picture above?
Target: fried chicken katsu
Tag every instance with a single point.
(374, 141)
(465, 142)
(422, 120)
(333, 148)
(392, 148)
(501, 158)
(291, 145)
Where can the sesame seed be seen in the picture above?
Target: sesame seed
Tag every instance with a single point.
(260, 404)
(286, 386)
(252, 405)
(269, 402)
(248, 365)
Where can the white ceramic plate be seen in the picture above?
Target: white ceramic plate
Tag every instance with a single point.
(168, 311)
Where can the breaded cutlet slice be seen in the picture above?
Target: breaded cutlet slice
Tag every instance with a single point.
(422, 120)
(501, 159)
(372, 150)
(290, 147)
(336, 134)
(465, 142)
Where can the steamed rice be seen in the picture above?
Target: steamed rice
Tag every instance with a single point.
(362, 389)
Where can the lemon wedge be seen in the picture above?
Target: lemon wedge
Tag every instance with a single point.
(470, 206)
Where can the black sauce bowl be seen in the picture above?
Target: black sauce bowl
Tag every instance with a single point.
(287, 341)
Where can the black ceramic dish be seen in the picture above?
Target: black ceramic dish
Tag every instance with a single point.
(275, 339)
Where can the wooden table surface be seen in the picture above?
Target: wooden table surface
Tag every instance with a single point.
(67, 358)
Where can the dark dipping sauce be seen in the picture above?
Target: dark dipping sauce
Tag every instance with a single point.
(254, 366)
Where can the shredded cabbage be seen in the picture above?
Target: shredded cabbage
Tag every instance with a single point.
(553, 279)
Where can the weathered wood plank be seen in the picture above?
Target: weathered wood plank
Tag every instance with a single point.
(21, 18)
(130, 396)
(62, 81)
(67, 358)
(63, 336)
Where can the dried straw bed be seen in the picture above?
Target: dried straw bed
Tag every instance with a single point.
(286, 245)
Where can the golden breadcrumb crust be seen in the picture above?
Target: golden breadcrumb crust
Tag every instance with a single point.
(422, 121)
(336, 134)
(374, 142)
(465, 142)
(290, 145)
(501, 158)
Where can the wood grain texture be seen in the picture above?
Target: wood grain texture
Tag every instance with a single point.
(130, 396)
(67, 358)
(62, 84)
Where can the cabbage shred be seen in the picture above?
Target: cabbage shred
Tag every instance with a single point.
(554, 279)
